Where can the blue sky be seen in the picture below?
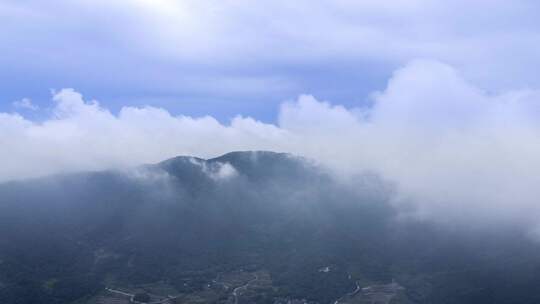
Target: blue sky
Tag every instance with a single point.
(441, 98)
(224, 58)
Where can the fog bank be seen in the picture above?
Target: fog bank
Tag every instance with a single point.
(453, 150)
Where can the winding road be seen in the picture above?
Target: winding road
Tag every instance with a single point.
(132, 296)
(235, 291)
(350, 294)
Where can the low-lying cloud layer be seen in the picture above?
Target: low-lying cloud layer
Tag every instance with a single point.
(453, 150)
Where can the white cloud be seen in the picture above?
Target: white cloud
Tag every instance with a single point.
(83, 135)
(217, 171)
(225, 171)
(26, 104)
(455, 151)
(495, 43)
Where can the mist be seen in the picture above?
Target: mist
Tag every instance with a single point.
(455, 153)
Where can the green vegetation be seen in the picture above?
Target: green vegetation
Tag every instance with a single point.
(141, 297)
(177, 230)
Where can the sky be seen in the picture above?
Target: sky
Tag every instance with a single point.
(439, 97)
(222, 58)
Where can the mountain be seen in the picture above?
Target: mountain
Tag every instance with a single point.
(245, 227)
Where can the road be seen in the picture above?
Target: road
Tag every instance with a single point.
(164, 301)
(131, 296)
(120, 292)
(235, 291)
(350, 294)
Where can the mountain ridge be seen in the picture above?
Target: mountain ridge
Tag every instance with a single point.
(185, 223)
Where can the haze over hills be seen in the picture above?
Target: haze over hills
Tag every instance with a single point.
(274, 152)
(245, 227)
